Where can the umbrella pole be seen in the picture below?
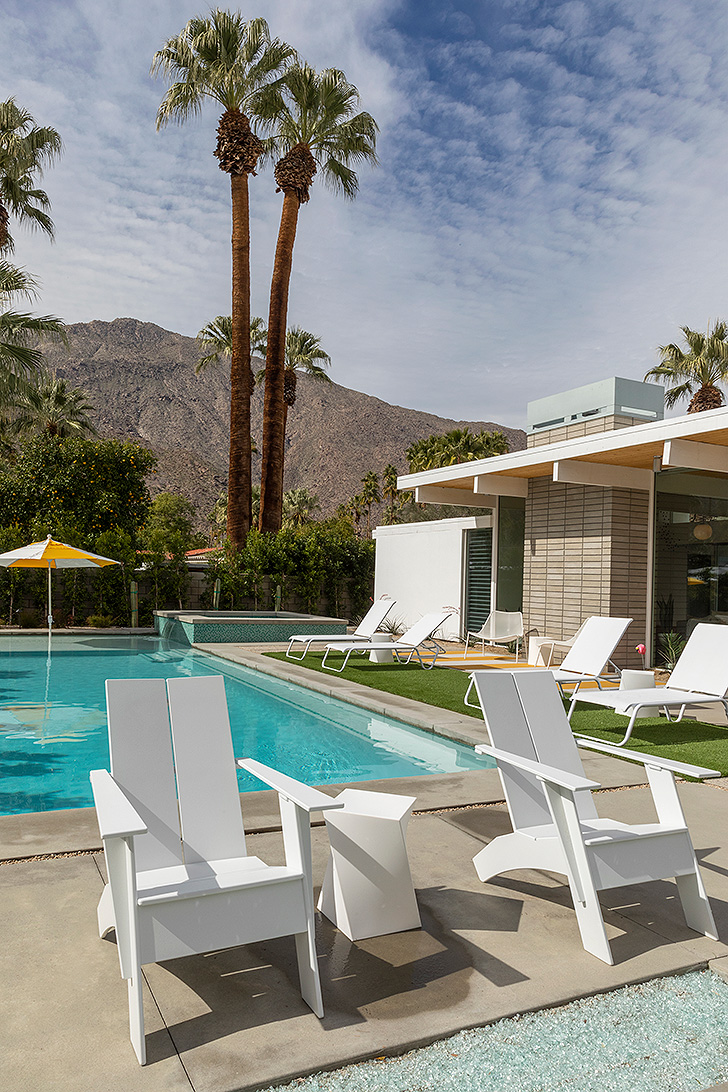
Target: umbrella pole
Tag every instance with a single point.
(50, 614)
(48, 658)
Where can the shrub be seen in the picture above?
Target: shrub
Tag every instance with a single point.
(28, 618)
(99, 621)
(671, 645)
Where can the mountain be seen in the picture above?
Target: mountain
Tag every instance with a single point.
(141, 381)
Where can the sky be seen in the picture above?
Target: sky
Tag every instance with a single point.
(550, 203)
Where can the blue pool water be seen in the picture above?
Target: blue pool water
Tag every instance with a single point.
(53, 722)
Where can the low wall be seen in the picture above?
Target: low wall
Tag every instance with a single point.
(240, 627)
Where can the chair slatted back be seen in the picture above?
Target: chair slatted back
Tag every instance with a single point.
(525, 715)
(703, 663)
(594, 645)
(423, 629)
(140, 746)
(508, 731)
(550, 731)
(207, 786)
(373, 618)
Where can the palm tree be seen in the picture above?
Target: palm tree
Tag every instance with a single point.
(460, 445)
(302, 352)
(25, 149)
(54, 408)
(390, 492)
(315, 129)
(20, 357)
(228, 60)
(299, 506)
(695, 373)
(217, 338)
(370, 495)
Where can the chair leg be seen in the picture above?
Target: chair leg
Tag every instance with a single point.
(136, 1016)
(591, 924)
(308, 971)
(695, 904)
(105, 912)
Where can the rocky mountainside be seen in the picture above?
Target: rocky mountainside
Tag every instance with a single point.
(141, 381)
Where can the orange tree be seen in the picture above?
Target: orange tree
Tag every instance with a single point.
(79, 487)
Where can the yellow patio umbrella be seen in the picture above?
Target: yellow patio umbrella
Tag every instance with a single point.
(52, 555)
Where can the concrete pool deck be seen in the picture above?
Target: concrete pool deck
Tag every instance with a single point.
(235, 1020)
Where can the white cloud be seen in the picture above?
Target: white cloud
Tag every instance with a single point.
(549, 206)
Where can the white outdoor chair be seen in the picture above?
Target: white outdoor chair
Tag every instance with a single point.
(365, 631)
(416, 640)
(538, 645)
(700, 678)
(180, 881)
(591, 652)
(367, 890)
(555, 824)
(589, 655)
(501, 627)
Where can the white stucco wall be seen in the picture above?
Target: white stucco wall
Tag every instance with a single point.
(421, 565)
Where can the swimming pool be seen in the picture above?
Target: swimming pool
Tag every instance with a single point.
(53, 721)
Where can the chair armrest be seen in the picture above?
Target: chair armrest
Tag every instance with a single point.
(303, 796)
(698, 772)
(117, 817)
(538, 769)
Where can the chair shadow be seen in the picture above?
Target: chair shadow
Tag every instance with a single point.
(252, 986)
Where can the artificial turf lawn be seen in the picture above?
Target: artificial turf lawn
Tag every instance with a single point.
(688, 741)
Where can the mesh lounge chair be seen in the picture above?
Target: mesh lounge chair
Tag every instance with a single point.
(416, 640)
(555, 824)
(180, 880)
(591, 652)
(699, 678)
(365, 631)
(500, 628)
(589, 655)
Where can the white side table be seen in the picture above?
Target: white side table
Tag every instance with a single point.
(541, 650)
(638, 680)
(367, 890)
(381, 655)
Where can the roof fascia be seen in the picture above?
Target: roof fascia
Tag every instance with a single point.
(689, 425)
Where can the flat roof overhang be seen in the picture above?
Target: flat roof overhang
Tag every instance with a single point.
(696, 441)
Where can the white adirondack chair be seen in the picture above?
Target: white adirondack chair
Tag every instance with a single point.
(700, 678)
(555, 824)
(364, 632)
(180, 881)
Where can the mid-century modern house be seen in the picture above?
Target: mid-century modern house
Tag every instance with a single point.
(609, 510)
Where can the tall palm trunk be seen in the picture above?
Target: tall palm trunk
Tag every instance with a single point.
(241, 389)
(271, 482)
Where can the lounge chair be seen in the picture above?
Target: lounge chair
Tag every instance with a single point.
(501, 627)
(555, 824)
(180, 882)
(700, 678)
(417, 639)
(590, 653)
(365, 631)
